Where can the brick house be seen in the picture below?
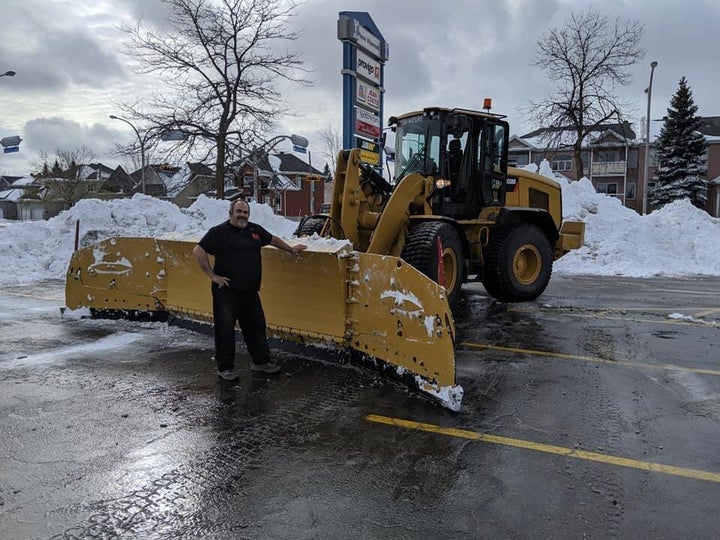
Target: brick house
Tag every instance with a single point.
(283, 184)
(614, 159)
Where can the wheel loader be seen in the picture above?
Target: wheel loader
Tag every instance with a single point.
(382, 295)
(457, 212)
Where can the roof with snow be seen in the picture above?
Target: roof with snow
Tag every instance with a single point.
(18, 188)
(94, 170)
(281, 162)
(175, 182)
(557, 137)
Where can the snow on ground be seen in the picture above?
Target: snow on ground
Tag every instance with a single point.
(677, 240)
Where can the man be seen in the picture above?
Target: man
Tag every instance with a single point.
(236, 279)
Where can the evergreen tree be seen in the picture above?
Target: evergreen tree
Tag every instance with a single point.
(680, 150)
(326, 173)
(56, 170)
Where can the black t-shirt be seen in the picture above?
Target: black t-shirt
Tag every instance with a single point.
(237, 253)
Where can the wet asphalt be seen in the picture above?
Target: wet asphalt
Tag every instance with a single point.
(593, 412)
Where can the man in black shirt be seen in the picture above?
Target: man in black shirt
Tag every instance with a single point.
(236, 279)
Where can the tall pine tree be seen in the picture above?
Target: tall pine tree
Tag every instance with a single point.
(680, 149)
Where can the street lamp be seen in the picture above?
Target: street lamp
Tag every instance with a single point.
(142, 149)
(653, 65)
(8, 74)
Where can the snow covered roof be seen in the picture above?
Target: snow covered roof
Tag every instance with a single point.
(17, 191)
(94, 171)
(558, 137)
(284, 183)
(175, 183)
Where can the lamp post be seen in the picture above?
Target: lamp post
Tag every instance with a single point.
(653, 65)
(142, 149)
(7, 74)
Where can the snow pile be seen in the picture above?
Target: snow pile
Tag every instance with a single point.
(37, 250)
(676, 240)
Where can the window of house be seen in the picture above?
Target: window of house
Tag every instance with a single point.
(609, 188)
(561, 163)
(91, 188)
(630, 190)
(607, 156)
(520, 159)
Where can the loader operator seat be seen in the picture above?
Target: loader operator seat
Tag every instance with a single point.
(455, 155)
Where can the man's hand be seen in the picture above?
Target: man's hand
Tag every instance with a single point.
(282, 244)
(221, 281)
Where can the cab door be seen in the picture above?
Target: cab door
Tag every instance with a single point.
(492, 162)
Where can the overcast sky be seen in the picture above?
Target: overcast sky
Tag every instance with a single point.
(70, 63)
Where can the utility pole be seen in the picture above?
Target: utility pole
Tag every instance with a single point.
(653, 65)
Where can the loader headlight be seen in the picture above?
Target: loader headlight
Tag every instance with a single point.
(442, 183)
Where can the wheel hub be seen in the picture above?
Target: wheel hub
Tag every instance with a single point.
(527, 263)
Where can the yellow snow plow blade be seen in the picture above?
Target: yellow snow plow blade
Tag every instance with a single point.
(377, 308)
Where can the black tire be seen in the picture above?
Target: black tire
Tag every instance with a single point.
(421, 251)
(310, 226)
(518, 263)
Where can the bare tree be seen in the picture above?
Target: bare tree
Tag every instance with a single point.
(330, 136)
(66, 181)
(221, 60)
(587, 58)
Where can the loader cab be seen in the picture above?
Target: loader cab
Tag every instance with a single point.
(464, 151)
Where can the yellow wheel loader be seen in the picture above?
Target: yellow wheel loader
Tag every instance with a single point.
(456, 212)
(383, 296)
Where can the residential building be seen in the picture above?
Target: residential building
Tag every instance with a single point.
(613, 159)
(184, 184)
(283, 184)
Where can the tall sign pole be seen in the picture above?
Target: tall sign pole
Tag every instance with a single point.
(365, 52)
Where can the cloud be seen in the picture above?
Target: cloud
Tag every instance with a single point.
(70, 60)
(52, 48)
(47, 134)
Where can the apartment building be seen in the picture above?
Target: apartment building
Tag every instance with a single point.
(613, 159)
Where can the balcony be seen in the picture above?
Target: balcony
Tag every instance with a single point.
(609, 168)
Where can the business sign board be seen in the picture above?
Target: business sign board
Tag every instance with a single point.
(369, 151)
(350, 29)
(367, 94)
(365, 52)
(364, 144)
(370, 157)
(367, 123)
(368, 68)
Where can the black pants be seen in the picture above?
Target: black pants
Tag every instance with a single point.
(245, 308)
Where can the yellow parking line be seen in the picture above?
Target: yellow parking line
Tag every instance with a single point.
(669, 367)
(547, 448)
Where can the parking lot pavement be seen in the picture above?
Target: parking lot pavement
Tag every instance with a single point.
(592, 412)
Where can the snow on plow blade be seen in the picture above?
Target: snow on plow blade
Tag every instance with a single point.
(378, 308)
